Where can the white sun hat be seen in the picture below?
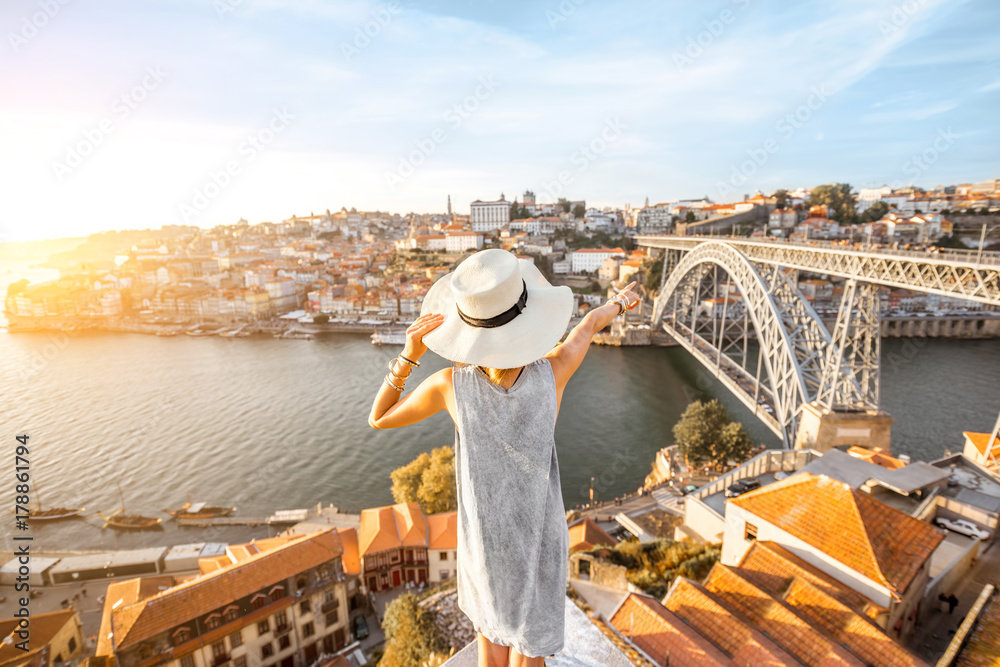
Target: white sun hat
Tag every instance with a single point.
(499, 311)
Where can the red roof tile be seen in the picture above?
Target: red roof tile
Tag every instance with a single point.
(586, 534)
(880, 542)
(658, 632)
(443, 530)
(44, 628)
(392, 527)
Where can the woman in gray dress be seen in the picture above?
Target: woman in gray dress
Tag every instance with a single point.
(500, 321)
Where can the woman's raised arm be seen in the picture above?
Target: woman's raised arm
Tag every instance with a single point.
(390, 409)
(568, 356)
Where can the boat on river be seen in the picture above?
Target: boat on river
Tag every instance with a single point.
(191, 510)
(122, 520)
(388, 337)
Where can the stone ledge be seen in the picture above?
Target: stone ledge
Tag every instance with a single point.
(585, 646)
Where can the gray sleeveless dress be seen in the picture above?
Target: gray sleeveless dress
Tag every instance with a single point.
(513, 540)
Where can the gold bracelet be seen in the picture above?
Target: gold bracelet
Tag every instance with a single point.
(409, 361)
(388, 382)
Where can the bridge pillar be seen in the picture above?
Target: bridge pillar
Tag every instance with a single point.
(822, 429)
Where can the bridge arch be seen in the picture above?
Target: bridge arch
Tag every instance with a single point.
(792, 340)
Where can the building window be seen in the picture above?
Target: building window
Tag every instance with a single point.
(187, 661)
(181, 635)
(231, 613)
(444, 555)
(284, 642)
(751, 532)
(444, 574)
(213, 621)
(395, 556)
(280, 619)
(240, 661)
(267, 650)
(72, 644)
(263, 627)
(300, 583)
(276, 593)
(218, 650)
(304, 607)
(308, 630)
(236, 639)
(258, 601)
(332, 617)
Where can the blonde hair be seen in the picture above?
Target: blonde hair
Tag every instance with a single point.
(496, 375)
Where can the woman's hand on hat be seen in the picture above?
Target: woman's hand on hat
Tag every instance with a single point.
(414, 347)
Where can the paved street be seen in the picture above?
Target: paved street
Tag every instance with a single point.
(931, 638)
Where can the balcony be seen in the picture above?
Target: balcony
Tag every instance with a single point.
(282, 630)
(330, 606)
(219, 660)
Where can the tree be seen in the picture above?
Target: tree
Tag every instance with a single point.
(654, 273)
(564, 204)
(781, 198)
(579, 211)
(838, 199)
(321, 318)
(410, 635)
(689, 217)
(706, 433)
(428, 480)
(875, 212)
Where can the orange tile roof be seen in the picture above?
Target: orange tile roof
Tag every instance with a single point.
(44, 628)
(719, 625)
(775, 620)
(586, 534)
(392, 527)
(443, 530)
(861, 637)
(351, 558)
(876, 456)
(880, 542)
(155, 611)
(979, 441)
(773, 568)
(657, 631)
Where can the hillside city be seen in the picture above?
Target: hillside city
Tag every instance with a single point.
(815, 556)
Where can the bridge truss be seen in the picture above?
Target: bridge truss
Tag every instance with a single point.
(797, 360)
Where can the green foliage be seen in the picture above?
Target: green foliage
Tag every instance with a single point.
(410, 635)
(428, 480)
(838, 199)
(564, 204)
(781, 198)
(706, 433)
(874, 212)
(321, 318)
(654, 274)
(579, 211)
(652, 566)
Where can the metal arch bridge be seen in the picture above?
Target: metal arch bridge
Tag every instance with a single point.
(798, 360)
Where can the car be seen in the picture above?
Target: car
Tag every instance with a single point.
(962, 526)
(359, 626)
(742, 486)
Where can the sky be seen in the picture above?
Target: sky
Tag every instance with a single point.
(125, 114)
